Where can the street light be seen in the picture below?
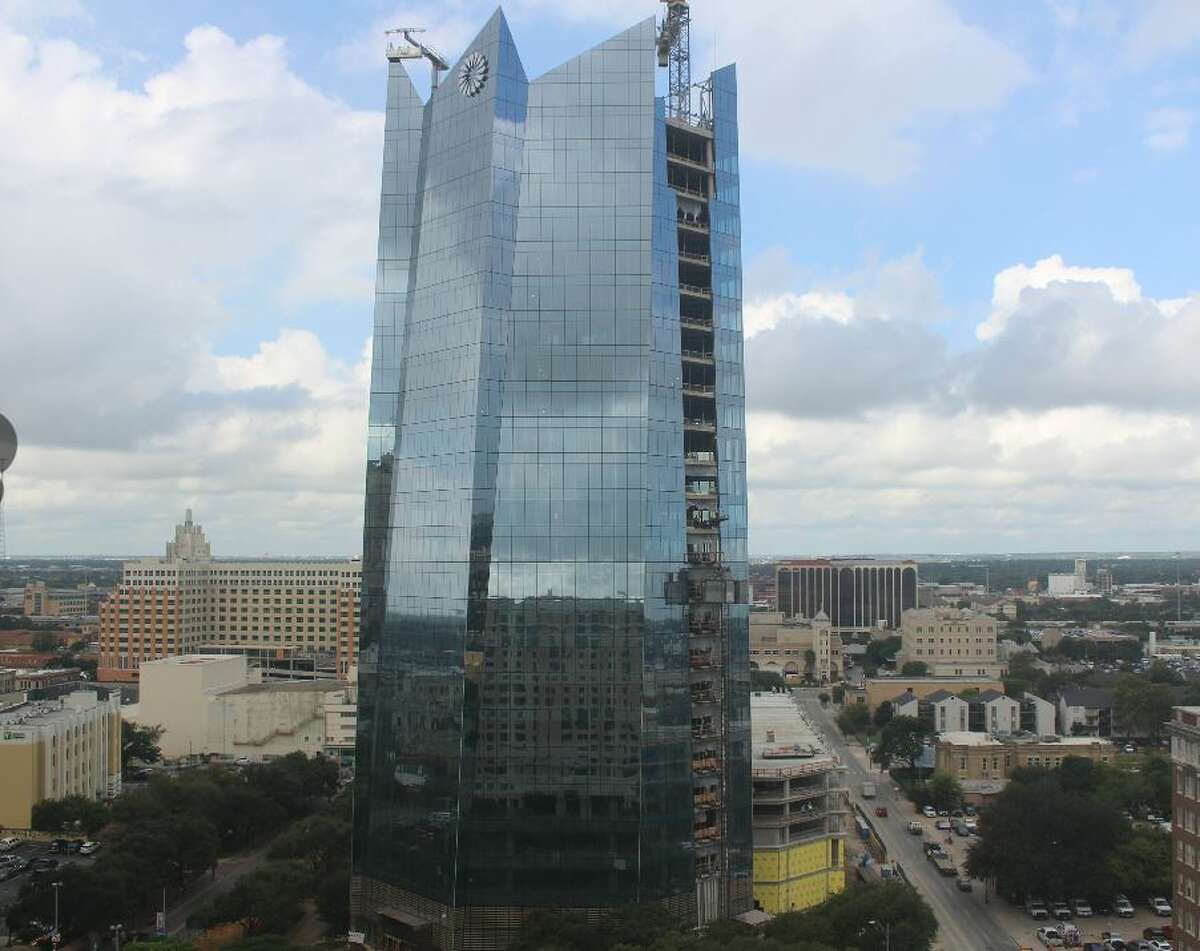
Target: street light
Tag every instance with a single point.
(116, 930)
(887, 933)
(56, 886)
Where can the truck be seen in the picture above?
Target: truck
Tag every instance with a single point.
(943, 863)
(868, 790)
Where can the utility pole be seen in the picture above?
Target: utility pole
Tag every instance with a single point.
(56, 886)
(116, 930)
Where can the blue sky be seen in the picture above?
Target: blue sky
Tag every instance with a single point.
(902, 160)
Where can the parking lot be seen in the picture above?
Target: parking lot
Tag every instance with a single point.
(28, 851)
(1014, 918)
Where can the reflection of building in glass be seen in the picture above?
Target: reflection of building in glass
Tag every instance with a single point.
(857, 595)
(554, 684)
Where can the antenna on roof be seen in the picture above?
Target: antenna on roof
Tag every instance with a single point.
(414, 49)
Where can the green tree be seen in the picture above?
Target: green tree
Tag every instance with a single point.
(1141, 708)
(810, 663)
(945, 792)
(862, 919)
(140, 743)
(322, 842)
(765, 681)
(903, 739)
(266, 900)
(883, 713)
(856, 718)
(333, 900)
(74, 813)
(839, 693)
(915, 668)
(43, 642)
(1142, 863)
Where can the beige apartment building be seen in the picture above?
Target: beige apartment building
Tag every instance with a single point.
(951, 642)
(39, 600)
(187, 601)
(51, 749)
(781, 644)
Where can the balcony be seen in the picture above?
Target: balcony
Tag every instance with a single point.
(702, 324)
(695, 290)
(694, 257)
(703, 557)
(703, 457)
(697, 356)
(708, 866)
(705, 765)
(707, 833)
(705, 731)
(705, 696)
(692, 222)
(703, 390)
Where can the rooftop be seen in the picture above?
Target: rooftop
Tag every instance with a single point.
(36, 712)
(796, 746)
(1024, 739)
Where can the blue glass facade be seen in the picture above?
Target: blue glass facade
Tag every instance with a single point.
(553, 702)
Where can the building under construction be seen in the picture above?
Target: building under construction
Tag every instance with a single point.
(554, 673)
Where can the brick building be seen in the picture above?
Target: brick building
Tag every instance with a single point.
(1185, 826)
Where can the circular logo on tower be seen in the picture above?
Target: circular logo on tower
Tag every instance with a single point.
(472, 74)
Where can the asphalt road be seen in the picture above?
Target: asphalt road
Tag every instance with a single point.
(964, 917)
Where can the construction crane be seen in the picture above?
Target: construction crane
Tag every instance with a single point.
(415, 49)
(674, 52)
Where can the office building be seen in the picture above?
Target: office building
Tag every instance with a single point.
(974, 756)
(795, 647)
(951, 642)
(800, 809)
(217, 705)
(39, 600)
(1184, 730)
(857, 595)
(553, 671)
(51, 749)
(187, 601)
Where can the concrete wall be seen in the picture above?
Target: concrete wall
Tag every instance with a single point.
(799, 876)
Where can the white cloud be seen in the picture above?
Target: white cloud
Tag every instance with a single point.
(1169, 129)
(1010, 283)
(130, 216)
(1164, 28)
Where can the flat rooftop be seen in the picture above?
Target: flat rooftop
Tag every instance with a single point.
(795, 747)
(986, 739)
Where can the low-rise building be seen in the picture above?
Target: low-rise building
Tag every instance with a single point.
(785, 645)
(40, 600)
(951, 642)
(1038, 716)
(46, 677)
(1184, 730)
(875, 690)
(947, 712)
(800, 808)
(995, 712)
(8, 680)
(1086, 711)
(983, 756)
(216, 705)
(51, 749)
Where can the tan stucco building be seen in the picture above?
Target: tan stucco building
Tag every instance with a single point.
(781, 644)
(212, 704)
(186, 601)
(951, 642)
(875, 690)
(981, 756)
(51, 749)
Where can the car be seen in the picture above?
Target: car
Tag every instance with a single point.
(915, 827)
(1122, 907)
(1130, 748)
(1113, 942)
(929, 812)
(1161, 907)
(943, 812)
(89, 848)
(972, 825)
(58, 845)
(1159, 932)
(1081, 908)
(962, 883)
(73, 845)
(1153, 945)
(1061, 911)
(969, 810)
(1154, 817)
(956, 814)
(43, 864)
(1049, 938)
(1036, 909)
(8, 843)
(881, 812)
(242, 761)
(942, 825)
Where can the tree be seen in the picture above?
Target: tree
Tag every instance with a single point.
(322, 842)
(856, 718)
(1141, 708)
(903, 738)
(766, 681)
(883, 713)
(899, 913)
(140, 743)
(839, 693)
(43, 642)
(945, 792)
(810, 662)
(333, 900)
(69, 814)
(266, 900)
(915, 668)
(823, 697)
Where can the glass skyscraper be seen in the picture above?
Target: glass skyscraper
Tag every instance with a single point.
(553, 667)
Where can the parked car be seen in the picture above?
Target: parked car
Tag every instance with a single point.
(942, 825)
(1161, 932)
(1122, 907)
(89, 848)
(8, 843)
(881, 812)
(1081, 908)
(43, 864)
(1061, 911)
(943, 812)
(1049, 938)
(1161, 907)
(1154, 817)
(1036, 909)
(963, 882)
(915, 827)
(1112, 941)
(73, 845)
(929, 812)
(1153, 945)
(58, 845)
(972, 825)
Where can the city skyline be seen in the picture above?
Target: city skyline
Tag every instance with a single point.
(969, 307)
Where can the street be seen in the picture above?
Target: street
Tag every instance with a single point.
(966, 921)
